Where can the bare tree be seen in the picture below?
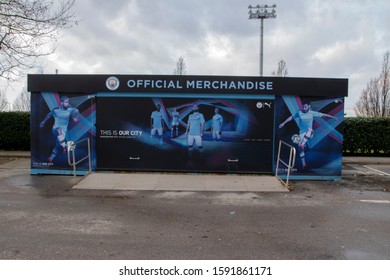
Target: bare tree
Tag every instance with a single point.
(27, 29)
(374, 101)
(385, 85)
(22, 102)
(282, 70)
(180, 67)
(3, 102)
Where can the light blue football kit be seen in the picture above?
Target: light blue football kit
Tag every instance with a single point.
(217, 126)
(195, 123)
(157, 118)
(175, 118)
(305, 120)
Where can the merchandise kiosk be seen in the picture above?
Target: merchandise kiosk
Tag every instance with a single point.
(166, 123)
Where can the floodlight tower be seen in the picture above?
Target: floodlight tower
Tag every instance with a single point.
(262, 12)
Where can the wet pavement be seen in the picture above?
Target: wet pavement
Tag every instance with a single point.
(43, 217)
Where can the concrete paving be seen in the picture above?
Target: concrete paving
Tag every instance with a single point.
(180, 182)
(43, 217)
(367, 160)
(170, 182)
(198, 182)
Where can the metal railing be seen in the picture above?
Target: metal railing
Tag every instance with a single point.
(72, 150)
(289, 165)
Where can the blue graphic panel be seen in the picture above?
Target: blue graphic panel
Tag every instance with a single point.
(314, 127)
(223, 135)
(55, 120)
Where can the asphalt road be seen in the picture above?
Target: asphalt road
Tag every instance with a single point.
(42, 217)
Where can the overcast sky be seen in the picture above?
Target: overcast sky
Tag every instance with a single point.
(316, 38)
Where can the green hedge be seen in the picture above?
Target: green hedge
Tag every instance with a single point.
(367, 136)
(15, 131)
(362, 136)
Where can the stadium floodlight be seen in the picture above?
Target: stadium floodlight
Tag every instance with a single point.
(261, 12)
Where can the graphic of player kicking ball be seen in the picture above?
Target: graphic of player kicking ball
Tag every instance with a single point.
(195, 127)
(61, 116)
(305, 118)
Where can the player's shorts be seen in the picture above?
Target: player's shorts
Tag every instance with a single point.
(195, 138)
(305, 136)
(56, 131)
(159, 131)
(175, 123)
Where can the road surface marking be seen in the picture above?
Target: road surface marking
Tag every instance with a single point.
(376, 201)
(376, 170)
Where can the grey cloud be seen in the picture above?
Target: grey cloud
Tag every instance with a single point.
(326, 38)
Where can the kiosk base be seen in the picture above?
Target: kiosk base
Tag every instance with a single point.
(180, 182)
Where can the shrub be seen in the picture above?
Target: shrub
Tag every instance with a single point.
(366, 136)
(15, 131)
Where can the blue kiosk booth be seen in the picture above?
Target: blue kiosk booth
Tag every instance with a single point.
(166, 123)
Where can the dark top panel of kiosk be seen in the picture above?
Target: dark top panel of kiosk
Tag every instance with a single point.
(189, 84)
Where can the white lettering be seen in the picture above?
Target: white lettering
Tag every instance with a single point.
(202, 84)
(241, 85)
(190, 84)
(131, 83)
(232, 85)
(261, 85)
(136, 132)
(139, 83)
(105, 132)
(250, 85)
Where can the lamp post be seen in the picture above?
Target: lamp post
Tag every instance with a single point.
(261, 12)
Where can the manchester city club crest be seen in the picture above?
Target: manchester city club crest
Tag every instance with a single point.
(112, 83)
